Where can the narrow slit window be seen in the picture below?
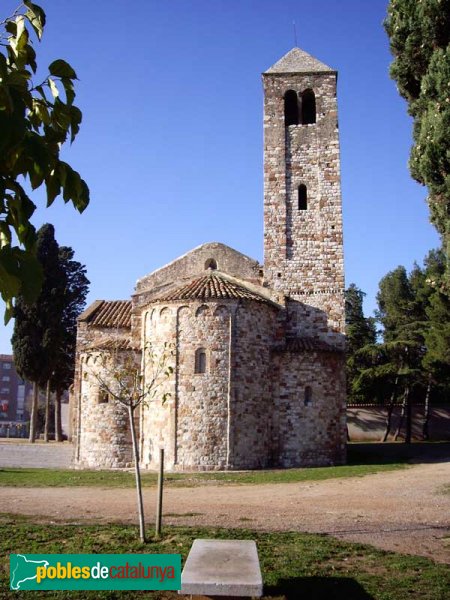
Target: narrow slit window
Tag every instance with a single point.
(200, 360)
(302, 197)
(291, 112)
(308, 107)
(308, 396)
(103, 397)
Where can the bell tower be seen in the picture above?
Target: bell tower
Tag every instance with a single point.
(303, 245)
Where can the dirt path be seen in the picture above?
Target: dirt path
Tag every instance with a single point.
(405, 511)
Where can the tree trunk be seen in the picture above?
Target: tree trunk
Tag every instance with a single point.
(137, 475)
(33, 416)
(426, 411)
(389, 412)
(402, 414)
(58, 426)
(408, 417)
(47, 411)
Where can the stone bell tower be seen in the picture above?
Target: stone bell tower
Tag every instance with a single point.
(303, 246)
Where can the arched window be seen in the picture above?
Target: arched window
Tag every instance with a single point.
(200, 360)
(211, 263)
(308, 107)
(308, 395)
(302, 197)
(291, 108)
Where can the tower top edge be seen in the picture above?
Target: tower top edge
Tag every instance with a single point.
(298, 61)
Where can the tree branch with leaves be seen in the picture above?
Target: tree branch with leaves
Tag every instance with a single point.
(35, 121)
(118, 374)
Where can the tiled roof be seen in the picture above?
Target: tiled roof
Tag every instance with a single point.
(108, 313)
(212, 287)
(306, 344)
(299, 61)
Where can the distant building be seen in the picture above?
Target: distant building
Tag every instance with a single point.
(13, 391)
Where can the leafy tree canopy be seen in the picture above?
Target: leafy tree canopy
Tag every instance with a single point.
(359, 333)
(35, 120)
(359, 329)
(414, 357)
(419, 35)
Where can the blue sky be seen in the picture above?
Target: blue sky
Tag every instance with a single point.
(171, 139)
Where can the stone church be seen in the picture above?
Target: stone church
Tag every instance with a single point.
(258, 350)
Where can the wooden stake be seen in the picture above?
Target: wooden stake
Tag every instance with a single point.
(160, 493)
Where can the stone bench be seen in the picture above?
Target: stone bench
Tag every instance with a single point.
(222, 568)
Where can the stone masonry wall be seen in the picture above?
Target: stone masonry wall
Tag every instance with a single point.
(251, 408)
(94, 429)
(312, 434)
(104, 433)
(192, 424)
(218, 419)
(203, 398)
(303, 248)
(158, 417)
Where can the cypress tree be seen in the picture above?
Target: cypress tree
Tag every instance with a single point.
(419, 35)
(37, 332)
(76, 289)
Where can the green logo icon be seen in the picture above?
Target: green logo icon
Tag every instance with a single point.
(95, 571)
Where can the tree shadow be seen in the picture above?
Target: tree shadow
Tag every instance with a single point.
(392, 452)
(318, 588)
(376, 422)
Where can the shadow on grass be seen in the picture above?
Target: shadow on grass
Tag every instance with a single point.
(318, 588)
(393, 452)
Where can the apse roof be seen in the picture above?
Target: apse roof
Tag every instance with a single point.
(212, 286)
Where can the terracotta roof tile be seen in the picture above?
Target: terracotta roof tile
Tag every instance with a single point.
(110, 313)
(211, 287)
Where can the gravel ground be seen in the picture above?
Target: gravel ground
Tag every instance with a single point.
(406, 511)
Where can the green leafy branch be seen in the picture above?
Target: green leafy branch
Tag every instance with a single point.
(35, 121)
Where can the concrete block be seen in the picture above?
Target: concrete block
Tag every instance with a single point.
(222, 568)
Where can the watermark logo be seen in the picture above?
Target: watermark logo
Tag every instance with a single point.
(95, 571)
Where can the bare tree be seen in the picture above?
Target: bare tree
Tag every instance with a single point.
(119, 375)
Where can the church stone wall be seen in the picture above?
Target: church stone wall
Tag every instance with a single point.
(303, 248)
(104, 438)
(218, 419)
(203, 398)
(316, 315)
(251, 383)
(100, 430)
(309, 433)
(192, 424)
(158, 416)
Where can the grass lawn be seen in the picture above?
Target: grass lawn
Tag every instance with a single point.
(294, 565)
(362, 460)
(66, 477)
